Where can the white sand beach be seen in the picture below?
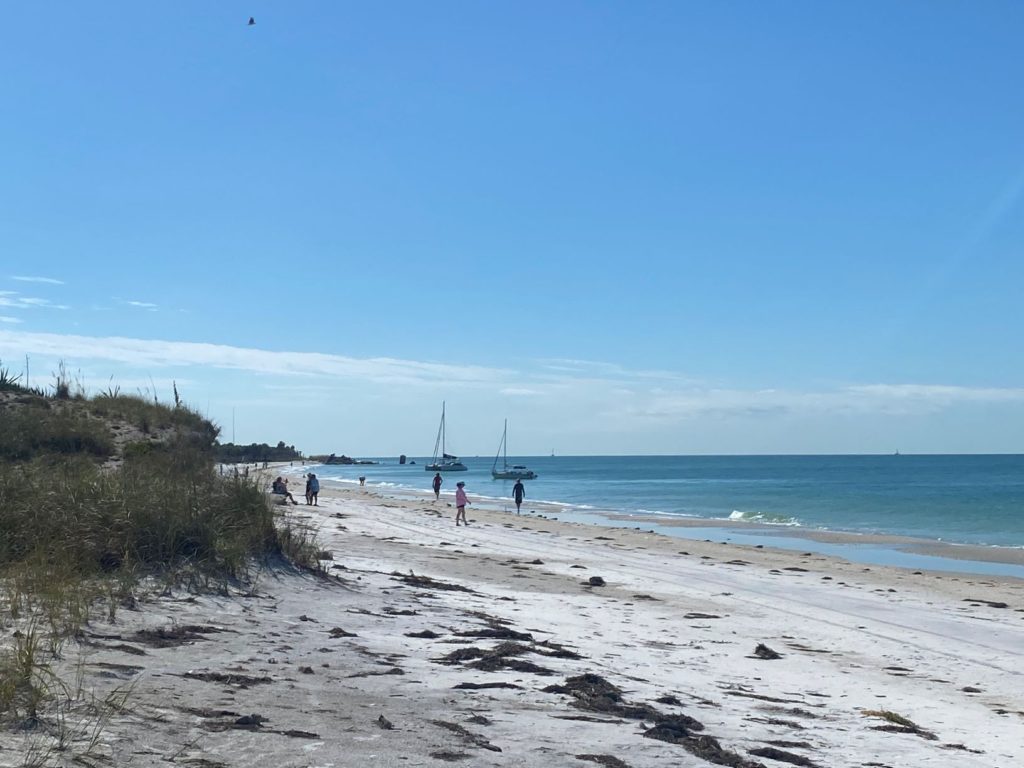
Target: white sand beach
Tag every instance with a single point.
(358, 668)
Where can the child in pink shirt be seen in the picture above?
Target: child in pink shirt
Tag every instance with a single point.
(460, 503)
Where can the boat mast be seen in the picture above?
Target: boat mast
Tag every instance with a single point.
(440, 433)
(494, 466)
(504, 446)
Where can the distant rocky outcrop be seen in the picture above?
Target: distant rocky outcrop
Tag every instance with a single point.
(343, 459)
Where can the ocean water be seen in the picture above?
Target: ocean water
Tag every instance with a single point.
(971, 499)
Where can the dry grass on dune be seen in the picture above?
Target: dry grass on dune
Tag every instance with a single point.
(98, 496)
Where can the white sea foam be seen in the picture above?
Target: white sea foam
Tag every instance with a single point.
(765, 519)
(663, 513)
(561, 504)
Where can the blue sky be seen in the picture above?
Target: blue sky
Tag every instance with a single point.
(648, 227)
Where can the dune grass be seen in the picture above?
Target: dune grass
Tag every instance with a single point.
(37, 428)
(158, 510)
(79, 533)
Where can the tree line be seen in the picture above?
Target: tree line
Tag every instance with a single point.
(229, 453)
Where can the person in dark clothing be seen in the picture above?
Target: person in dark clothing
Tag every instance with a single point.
(312, 490)
(280, 488)
(518, 492)
(437, 486)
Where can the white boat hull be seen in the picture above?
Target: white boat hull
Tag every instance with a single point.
(513, 474)
(455, 466)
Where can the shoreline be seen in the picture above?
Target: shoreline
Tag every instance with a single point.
(904, 552)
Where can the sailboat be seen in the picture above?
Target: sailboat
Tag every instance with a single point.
(446, 462)
(517, 472)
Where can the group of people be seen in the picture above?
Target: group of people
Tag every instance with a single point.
(280, 488)
(461, 502)
(312, 490)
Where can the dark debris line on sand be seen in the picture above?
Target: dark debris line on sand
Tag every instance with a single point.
(595, 694)
(243, 681)
(496, 633)
(468, 736)
(167, 637)
(502, 656)
(783, 757)
(450, 757)
(425, 582)
(898, 724)
(484, 686)
(606, 760)
(426, 634)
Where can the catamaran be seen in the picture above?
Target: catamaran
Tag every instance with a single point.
(517, 471)
(446, 462)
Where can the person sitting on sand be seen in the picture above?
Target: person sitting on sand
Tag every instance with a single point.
(460, 503)
(280, 488)
(437, 486)
(312, 490)
(518, 491)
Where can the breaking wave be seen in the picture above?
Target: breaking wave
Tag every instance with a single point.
(764, 518)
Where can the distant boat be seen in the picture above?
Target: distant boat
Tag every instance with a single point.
(443, 462)
(517, 472)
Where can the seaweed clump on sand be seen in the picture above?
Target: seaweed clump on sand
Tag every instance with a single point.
(703, 746)
(898, 724)
(595, 694)
(592, 693)
(498, 658)
(425, 582)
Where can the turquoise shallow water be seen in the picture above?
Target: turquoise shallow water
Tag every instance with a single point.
(972, 499)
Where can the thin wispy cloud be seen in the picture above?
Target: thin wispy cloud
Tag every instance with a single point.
(142, 304)
(17, 301)
(621, 396)
(888, 399)
(601, 369)
(151, 353)
(31, 279)
(5, 319)
(938, 394)
(519, 392)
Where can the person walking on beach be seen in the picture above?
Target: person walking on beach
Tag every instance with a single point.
(312, 490)
(460, 503)
(437, 486)
(518, 491)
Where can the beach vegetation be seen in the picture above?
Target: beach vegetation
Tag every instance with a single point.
(8, 379)
(102, 499)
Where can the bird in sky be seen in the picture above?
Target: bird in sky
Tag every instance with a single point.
(251, 21)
